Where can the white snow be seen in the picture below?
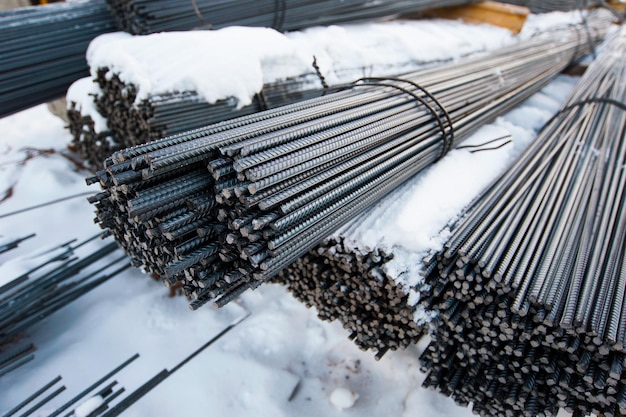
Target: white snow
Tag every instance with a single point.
(536, 23)
(88, 407)
(343, 398)
(217, 64)
(237, 61)
(347, 52)
(82, 93)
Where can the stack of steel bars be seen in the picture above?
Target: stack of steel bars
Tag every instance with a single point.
(224, 208)
(352, 286)
(530, 288)
(42, 50)
(60, 279)
(141, 17)
(91, 145)
(132, 123)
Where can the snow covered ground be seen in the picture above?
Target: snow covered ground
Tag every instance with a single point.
(251, 371)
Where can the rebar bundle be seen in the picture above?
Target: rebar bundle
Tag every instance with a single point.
(51, 285)
(132, 121)
(351, 286)
(91, 145)
(530, 286)
(158, 116)
(42, 50)
(224, 208)
(141, 17)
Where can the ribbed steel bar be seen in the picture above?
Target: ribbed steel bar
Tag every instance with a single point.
(529, 289)
(311, 159)
(144, 16)
(31, 398)
(42, 50)
(136, 395)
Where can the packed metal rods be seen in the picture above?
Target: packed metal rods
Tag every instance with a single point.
(530, 287)
(132, 124)
(351, 286)
(42, 50)
(224, 208)
(54, 283)
(141, 17)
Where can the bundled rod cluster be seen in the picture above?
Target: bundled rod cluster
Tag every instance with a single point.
(52, 284)
(42, 50)
(530, 288)
(132, 121)
(141, 17)
(352, 286)
(155, 117)
(224, 208)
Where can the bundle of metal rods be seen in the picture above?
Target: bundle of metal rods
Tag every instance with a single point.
(530, 287)
(141, 17)
(224, 208)
(57, 281)
(42, 50)
(91, 145)
(132, 121)
(158, 116)
(351, 286)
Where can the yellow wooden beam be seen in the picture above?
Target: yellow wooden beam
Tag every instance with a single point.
(508, 16)
(618, 5)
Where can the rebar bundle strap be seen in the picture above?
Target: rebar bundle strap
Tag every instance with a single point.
(447, 137)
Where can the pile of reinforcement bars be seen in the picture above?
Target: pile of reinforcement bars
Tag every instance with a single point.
(528, 293)
(530, 288)
(224, 208)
